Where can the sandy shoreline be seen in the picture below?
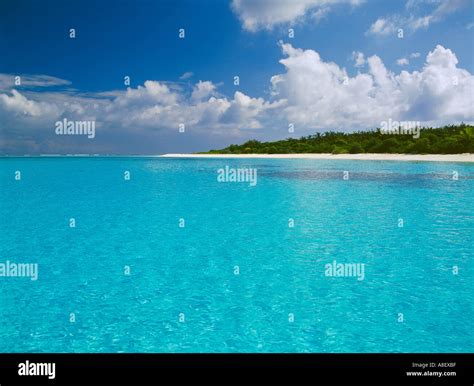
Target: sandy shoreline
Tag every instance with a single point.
(328, 156)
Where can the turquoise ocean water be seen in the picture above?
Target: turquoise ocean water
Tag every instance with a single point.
(183, 293)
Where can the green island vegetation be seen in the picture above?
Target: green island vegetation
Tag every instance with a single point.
(454, 139)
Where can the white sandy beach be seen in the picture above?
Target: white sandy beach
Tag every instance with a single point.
(328, 156)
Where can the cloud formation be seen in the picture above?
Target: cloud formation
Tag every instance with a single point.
(9, 81)
(311, 93)
(152, 111)
(266, 14)
(186, 75)
(322, 95)
(359, 59)
(403, 62)
(415, 20)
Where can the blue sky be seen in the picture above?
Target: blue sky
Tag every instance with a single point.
(83, 78)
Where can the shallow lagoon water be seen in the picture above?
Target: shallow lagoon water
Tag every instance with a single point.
(191, 270)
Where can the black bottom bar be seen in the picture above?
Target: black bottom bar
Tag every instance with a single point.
(291, 369)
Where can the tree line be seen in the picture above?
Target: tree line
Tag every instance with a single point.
(452, 139)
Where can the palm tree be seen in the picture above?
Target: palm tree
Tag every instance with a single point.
(467, 133)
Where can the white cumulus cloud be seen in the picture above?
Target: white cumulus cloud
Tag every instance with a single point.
(359, 59)
(311, 93)
(152, 112)
(403, 62)
(203, 90)
(321, 95)
(265, 14)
